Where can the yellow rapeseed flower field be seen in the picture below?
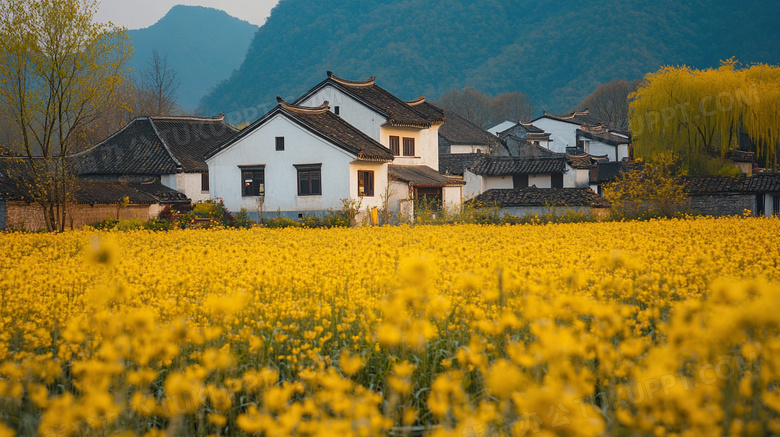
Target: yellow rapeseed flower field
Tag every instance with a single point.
(667, 327)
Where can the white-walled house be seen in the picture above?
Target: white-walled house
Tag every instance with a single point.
(410, 130)
(517, 137)
(563, 128)
(602, 141)
(581, 133)
(299, 160)
(169, 149)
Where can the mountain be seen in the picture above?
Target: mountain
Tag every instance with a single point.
(204, 46)
(555, 51)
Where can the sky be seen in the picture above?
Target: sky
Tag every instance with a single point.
(137, 14)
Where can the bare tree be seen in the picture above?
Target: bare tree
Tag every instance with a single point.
(156, 89)
(513, 106)
(484, 110)
(609, 102)
(470, 103)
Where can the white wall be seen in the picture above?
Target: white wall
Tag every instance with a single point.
(187, 183)
(576, 177)
(498, 182)
(281, 187)
(452, 198)
(190, 185)
(352, 111)
(380, 182)
(597, 148)
(399, 194)
(473, 185)
(540, 180)
(460, 148)
(562, 134)
(623, 151)
(426, 145)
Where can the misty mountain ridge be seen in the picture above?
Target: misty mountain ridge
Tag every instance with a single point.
(203, 45)
(554, 51)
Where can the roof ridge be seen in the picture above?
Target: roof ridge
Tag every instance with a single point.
(359, 83)
(165, 145)
(110, 137)
(418, 101)
(325, 107)
(220, 117)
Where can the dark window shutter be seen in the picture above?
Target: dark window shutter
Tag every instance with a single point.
(520, 181)
(557, 180)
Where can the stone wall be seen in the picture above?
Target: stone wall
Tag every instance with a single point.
(723, 204)
(29, 216)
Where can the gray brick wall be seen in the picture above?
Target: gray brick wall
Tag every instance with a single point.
(724, 204)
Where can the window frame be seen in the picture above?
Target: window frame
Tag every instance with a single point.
(366, 179)
(256, 191)
(307, 171)
(395, 146)
(408, 146)
(204, 182)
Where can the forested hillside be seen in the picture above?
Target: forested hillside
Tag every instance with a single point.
(203, 45)
(555, 51)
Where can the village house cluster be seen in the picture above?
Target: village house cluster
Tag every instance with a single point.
(347, 140)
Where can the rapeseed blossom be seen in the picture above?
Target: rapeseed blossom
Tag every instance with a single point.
(665, 327)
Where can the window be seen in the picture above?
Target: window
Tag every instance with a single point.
(408, 146)
(337, 110)
(309, 180)
(776, 205)
(253, 181)
(204, 182)
(365, 183)
(760, 206)
(557, 180)
(279, 143)
(520, 181)
(395, 147)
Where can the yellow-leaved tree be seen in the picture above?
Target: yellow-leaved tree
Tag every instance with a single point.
(59, 70)
(652, 189)
(701, 113)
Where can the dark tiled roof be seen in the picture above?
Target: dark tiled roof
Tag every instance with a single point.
(189, 139)
(579, 161)
(532, 196)
(156, 146)
(397, 112)
(105, 192)
(530, 150)
(421, 176)
(759, 183)
(323, 123)
(602, 134)
(432, 112)
(529, 130)
(100, 192)
(500, 166)
(741, 156)
(577, 117)
(458, 130)
(457, 163)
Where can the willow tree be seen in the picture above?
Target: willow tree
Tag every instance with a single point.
(702, 112)
(58, 71)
